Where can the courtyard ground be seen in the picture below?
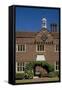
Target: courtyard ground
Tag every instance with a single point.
(46, 79)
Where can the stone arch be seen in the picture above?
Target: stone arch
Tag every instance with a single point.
(38, 70)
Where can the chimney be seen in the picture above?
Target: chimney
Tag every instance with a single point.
(53, 27)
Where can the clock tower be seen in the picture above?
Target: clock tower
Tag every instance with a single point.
(44, 23)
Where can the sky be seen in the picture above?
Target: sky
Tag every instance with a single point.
(29, 19)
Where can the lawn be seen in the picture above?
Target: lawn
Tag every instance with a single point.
(37, 80)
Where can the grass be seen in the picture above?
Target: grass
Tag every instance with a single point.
(37, 80)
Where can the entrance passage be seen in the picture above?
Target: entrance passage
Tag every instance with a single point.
(39, 71)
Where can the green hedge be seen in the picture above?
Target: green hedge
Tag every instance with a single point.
(53, 74)
(20, 75)
(44, 64)
(48, 67)
(57, 73)
(25, 75)
(29, 74)
(29, 66)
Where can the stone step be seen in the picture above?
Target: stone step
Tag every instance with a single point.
(35, 77)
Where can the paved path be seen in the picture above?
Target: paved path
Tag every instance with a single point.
(37, 80)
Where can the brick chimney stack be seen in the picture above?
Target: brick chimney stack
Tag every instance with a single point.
(53, 27)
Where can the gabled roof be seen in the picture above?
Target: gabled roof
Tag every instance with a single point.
(55, 35)
(26, 34)
(33, 34)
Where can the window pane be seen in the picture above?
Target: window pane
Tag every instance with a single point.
(37, 47)
(17, 68)
(23, 47)
(21, 69)
(19, 47)
(21, 66)
(17, 64)
(16, 47)
(40, 47)
(57, 65)
(57, 47)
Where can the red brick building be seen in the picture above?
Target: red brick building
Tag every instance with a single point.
(38, 46)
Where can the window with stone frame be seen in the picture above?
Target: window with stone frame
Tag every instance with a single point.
(56, 47)
(39, 47)
(57, 66)
(21, 48)
(20, 66)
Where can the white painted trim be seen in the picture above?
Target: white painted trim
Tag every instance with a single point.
(19, 71)
(16, 66)
(16, 47)
(22, 66)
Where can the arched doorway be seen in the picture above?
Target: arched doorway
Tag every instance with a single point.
(39, 71)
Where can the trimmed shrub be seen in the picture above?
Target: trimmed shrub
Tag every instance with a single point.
(29, 66)
(29, 75)
(26, 76)
(37, 63)
(57, 73)
(48, 67)
(51, 74)
(20, 75)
